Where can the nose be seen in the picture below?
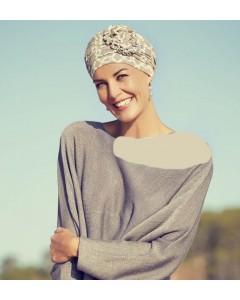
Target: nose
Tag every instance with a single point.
(113, 90)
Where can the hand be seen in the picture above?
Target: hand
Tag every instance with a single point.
(64, 245)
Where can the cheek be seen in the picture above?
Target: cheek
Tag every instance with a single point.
(143, 90)
(139, 86)
(145, 87)
(132, 87)
(102, 96)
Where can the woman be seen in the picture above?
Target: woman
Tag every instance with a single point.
(130, 190)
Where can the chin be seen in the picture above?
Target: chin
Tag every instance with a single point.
(128, 118)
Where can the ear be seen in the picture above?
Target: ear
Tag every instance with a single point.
(149, 79)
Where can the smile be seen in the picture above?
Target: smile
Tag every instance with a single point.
(123, 104)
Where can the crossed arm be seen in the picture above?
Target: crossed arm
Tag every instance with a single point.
(155, 255)
(64, 245)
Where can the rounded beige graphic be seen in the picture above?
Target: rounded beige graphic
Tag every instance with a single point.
(177, 150)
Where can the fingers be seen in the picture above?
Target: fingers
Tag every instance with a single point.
(59, 229)
(54, 255)
(51, 253)
(52, 248)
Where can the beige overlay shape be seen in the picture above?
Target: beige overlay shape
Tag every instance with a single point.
(177, 150)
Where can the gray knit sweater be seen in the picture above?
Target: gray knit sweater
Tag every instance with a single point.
(134, 203)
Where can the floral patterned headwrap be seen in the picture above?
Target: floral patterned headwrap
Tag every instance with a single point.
(120, 44)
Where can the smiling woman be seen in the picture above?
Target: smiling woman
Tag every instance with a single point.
(130, 190)
(124, 87)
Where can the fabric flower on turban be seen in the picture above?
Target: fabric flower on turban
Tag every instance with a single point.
(124, 42)
(120, 44)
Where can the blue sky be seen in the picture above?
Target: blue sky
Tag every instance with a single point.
(44, 86)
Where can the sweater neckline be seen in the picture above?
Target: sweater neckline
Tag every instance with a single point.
(129, 137)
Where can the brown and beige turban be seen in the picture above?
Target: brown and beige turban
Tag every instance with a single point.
(120, 44)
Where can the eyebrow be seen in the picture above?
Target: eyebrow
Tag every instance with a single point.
(115, 74)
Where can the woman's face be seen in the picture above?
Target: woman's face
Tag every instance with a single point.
(125, 85)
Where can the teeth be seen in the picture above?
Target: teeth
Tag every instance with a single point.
(124, 102)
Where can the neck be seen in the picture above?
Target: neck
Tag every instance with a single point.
(147, 124)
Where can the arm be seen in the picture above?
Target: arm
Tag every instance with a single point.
(163, 245)
(69, 201)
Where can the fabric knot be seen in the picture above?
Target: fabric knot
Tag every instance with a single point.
(120, 44)
(122, 40)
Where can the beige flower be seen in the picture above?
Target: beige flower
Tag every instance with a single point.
(122, 40)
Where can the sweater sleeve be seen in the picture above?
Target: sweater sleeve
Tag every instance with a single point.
(163, 244)
(68, 197)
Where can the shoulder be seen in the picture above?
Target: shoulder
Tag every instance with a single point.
(192, 149)
(73, 128)
(178, 150)
(192, 143)
(78, 129)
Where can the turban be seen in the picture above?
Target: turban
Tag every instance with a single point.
(120, 44)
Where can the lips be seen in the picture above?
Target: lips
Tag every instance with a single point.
(116, 102)
(123, 104)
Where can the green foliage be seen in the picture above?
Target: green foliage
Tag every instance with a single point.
(27, 273)
(218, 240)
(215, 252)
(10, 270)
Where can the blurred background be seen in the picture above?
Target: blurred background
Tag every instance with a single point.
(44, 86)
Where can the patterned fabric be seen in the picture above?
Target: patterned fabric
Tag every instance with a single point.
(120, 44)
(134, 221)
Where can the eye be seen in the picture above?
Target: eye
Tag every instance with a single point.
(98, 85)
(121, 76)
